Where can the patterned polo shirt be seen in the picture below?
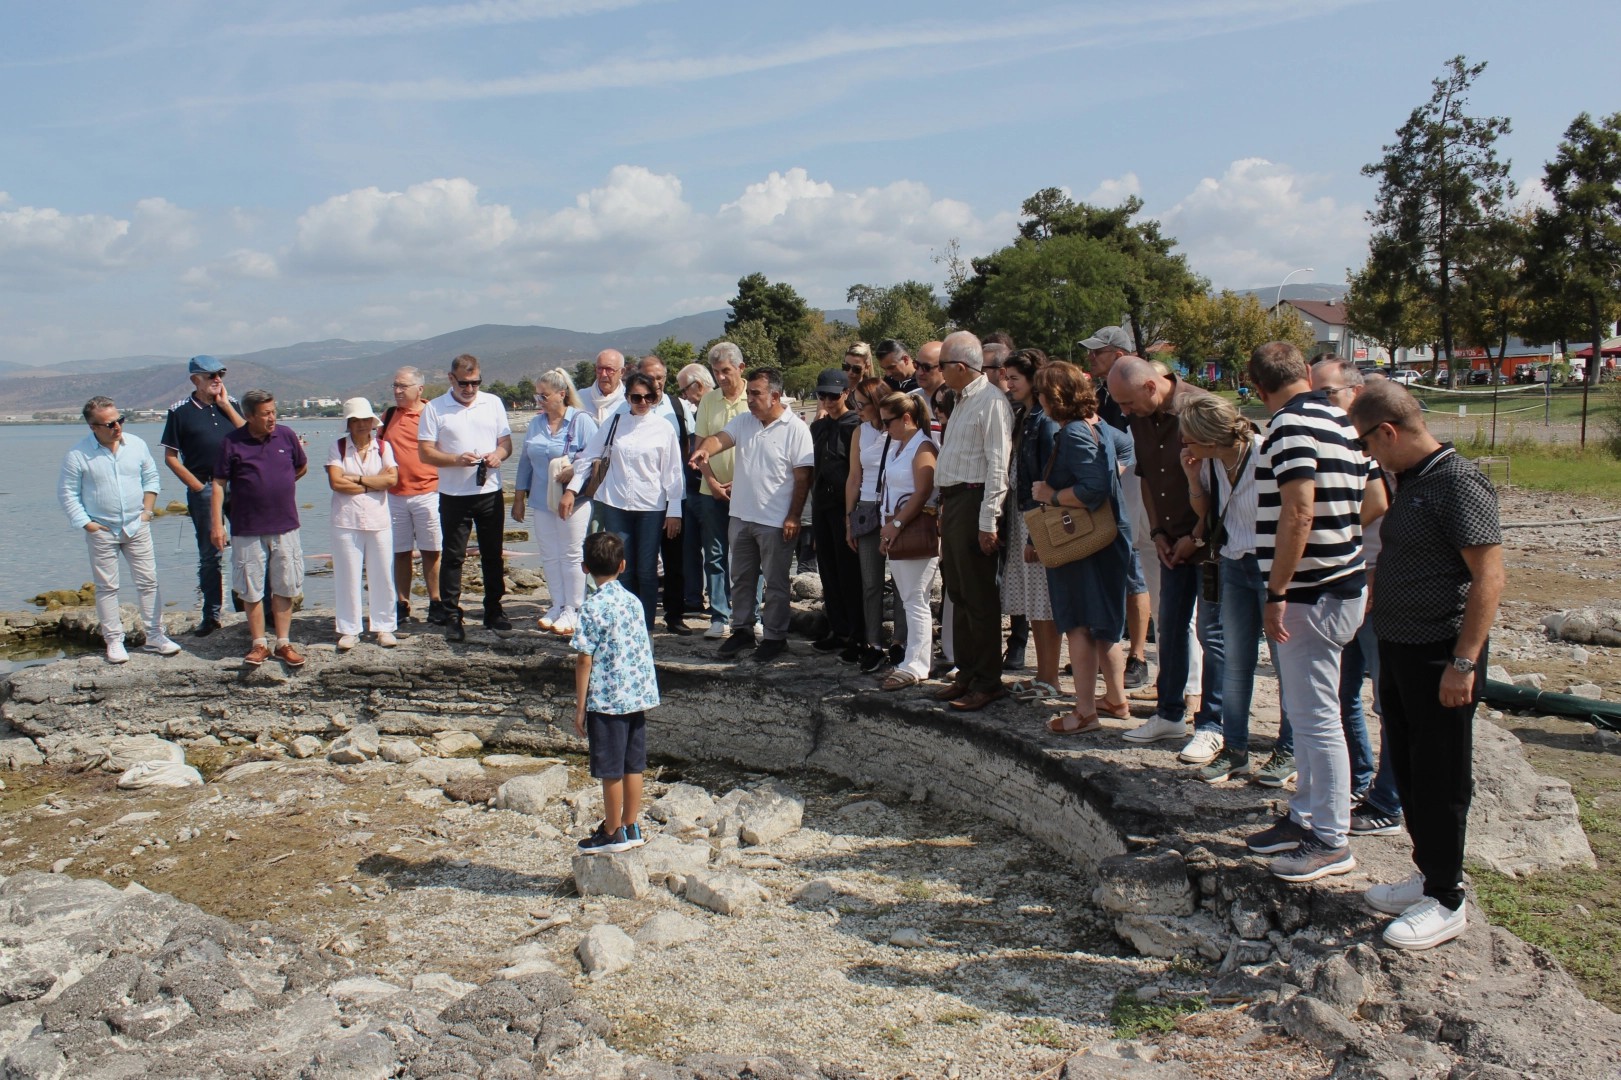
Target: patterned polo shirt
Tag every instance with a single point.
(1441, 506)
(613, 631)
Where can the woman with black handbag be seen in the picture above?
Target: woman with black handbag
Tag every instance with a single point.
(1088, 594)
(862, 521)
(910, 535)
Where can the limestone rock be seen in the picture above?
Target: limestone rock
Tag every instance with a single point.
(369, 1056)
(399, 751)
(621, 874)
(533, 792)
(1586, 690)
(1322, 1026)
(1520, 821)
(159, 774)
(19, 753)
(685, 801)
(1145, 883)
(439, 770)
(1170, 936)
(909, 938)
(1109, 1061)
(820, 891)
(1339, 984)
(604, 950)
(437, 982)
(666, 857)
(806, 586)
(510, 761)
(358, 744)
(451, 743)
(118, 753)
(668, 929)
(363, 988)
(1529, 680)
(726, 893)
(769, 813)
(305, 746)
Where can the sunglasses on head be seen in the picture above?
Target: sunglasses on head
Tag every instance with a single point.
(116, 421)
(467, 384)
(638, 399)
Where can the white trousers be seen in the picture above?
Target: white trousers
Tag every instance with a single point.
(1137, 514)
(562, 550)
(357, 551)
(104, 547)
(912, 580)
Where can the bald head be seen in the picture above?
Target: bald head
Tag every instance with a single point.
(928, 366)
(610, 370)
(1136, 387)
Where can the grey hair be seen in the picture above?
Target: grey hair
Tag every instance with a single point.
(996, 351)
(410, 373)
(962, 347)
(727, 352)
(96, 404)
(1347, 370)
(255, 398)
(772, 377)
(694, 372)
(651, 358)
(560, 379)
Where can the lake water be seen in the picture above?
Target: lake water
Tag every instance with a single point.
(40, 550)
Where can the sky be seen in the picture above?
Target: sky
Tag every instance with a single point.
(180, 177)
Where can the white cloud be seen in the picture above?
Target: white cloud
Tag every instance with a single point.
(1115, 191)
(1257, 222)
(1533, 194)
(635, 203)
(243, 264)
(42, 247)
(430, 228)
(432, 19)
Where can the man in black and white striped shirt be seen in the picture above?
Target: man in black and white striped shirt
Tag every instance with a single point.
(1310, 482)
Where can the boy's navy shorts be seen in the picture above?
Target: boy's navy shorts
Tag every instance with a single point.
(618, 744)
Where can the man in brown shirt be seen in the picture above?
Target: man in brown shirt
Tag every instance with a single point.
(1177, 524)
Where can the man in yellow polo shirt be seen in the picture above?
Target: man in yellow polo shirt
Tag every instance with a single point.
(717, 409)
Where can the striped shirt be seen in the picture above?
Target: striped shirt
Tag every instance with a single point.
(1309, 439)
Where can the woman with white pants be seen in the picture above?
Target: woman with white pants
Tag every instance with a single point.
(560, 430)
(360, 469)
(907, 485)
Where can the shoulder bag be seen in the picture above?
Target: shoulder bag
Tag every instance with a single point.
(866, 517)
(599, 466)
(560, 470)
(918, 538)
(1066, 534)
(1210, 568)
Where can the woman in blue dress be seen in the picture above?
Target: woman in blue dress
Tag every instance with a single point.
(1088, 595)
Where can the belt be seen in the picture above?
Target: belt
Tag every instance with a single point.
(958, 489)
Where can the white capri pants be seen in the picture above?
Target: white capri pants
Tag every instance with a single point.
(912, 580)
(357, 551)
(562, 550)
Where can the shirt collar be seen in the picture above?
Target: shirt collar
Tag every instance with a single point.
(1425, 464)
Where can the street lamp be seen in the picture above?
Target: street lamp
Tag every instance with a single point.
(1285, 281)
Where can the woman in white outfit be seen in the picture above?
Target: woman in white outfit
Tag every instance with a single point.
(907, 486)
(360, 469)
(560, 430)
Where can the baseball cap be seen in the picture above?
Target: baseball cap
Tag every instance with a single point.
(1110, 337)
(204, 365)
(832, 381)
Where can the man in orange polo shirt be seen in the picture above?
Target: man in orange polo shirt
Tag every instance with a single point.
(413, 503)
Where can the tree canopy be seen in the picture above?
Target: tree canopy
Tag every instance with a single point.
(774, 318)
(908, 312)
(1225, 328)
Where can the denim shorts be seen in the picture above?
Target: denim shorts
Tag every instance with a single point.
(618, 744)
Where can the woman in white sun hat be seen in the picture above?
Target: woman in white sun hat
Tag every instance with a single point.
(360, 469)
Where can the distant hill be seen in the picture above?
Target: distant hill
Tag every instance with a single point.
(1305, 290)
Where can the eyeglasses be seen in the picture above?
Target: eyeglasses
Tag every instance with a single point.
(1335, 389)
(408, 385)
(951, 363)
(117, 421)
(991, 367)
(639, 399)
(927, 367)
(467, 384)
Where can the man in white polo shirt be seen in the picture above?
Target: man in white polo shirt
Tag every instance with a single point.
(771, 477)
(465, 435)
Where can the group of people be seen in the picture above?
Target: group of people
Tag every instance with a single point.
(947, 464)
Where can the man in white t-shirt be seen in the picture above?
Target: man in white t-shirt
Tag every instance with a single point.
(465, 435)
(605, 396)
(771, 477)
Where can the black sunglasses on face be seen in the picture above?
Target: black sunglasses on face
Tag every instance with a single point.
(1360, 443)
(855, 367)
(468, 383)
(638, 399)
(116, 421)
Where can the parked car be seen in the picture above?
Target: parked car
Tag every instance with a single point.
(1405, 376)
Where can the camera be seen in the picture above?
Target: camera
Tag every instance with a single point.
(482, 473)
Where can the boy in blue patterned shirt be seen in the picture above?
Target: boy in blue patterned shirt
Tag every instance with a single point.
(614, 682)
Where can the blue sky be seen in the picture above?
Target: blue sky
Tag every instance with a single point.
(182, 177)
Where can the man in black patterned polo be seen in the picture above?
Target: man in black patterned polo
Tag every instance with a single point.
(1440, 576)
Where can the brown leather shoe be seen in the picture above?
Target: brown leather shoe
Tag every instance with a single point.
(290, 656)
(978, 699)
(256, 656)
(950, 692)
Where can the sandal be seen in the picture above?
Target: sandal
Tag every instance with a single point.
(1113, 711)
(1070, 723)
(900, 680)
(1028, 690)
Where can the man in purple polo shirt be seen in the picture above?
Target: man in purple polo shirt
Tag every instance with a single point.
(261, 464)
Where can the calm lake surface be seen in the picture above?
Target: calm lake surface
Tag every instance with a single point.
(39, 550)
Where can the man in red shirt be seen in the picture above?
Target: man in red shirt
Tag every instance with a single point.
(413, 503)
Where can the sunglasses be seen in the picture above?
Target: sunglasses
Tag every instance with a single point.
(467, 384)
(928, 367)
(855, 367)
(889, 419)
(639, 399)
(212, 375)
(117, 421)
(1360, 443)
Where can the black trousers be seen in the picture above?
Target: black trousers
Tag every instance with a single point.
(975, 589)
(458, 516)
(840, 569)
(673, 554)
(1431, 749)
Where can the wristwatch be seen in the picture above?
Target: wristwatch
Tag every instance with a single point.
(1277, 598)
(1463, 666)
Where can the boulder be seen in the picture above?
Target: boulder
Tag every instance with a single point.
(620, 874)
(685, 801)
(533, 792)
(1520, 821)
(363, 988)
(805, 586)
(725, 893)
(604, 950)
(118, 753)
(666, 857)
(1321, 1025)
(668, 929)
(1171, 936)
(821, 891)
(399, 751)
(159, 774)
(19, 753)
(358, 744)
(1145, 883)
(437, 982)
(1588, 690)
(769, 813)
(452, 743)
(305, 746)
(439, 770)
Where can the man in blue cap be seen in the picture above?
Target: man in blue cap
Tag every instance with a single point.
(192, 433)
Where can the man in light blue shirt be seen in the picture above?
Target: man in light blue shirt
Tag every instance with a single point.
(108, 488)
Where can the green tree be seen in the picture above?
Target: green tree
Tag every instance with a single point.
(782, 314)
(1439, 183)
(1226, 327)
(1585, 182)
(675, 354)
(1493, 285)
(1385, 304)
(759, 347)
(908, 312)
(585, 373)
(1051, 293)
(524, 393)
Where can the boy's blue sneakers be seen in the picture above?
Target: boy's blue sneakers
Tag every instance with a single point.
(633, 834)
(600, 842)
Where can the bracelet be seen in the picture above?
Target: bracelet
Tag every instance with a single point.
(1277, 598)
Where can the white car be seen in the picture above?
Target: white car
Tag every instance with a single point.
(1405, 376)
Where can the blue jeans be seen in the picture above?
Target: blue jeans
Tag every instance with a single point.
(1243, 601)
(200, 505)
(715, 518)
(1353, 664)
(1178, 599)
(641, 530)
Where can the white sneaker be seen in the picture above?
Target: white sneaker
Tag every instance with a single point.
(387, 640)
(1396, 899)
(161, 644)
(546, 621)
(347, 642)
(1155, 729)
(564, 625)
(717, 629)
(116, 653)
(1203, 748)
(1425, 925)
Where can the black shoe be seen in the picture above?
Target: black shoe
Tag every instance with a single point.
(1136, 673)
(872, 658)
(1013, 659)
(454, 630)
(206, 627)
(770, 649)
(402, 611)
(679, 629)
(740, 642)
(438, 614)
(852, 653)
(896, 654)
(828, 644)
(497, 620)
